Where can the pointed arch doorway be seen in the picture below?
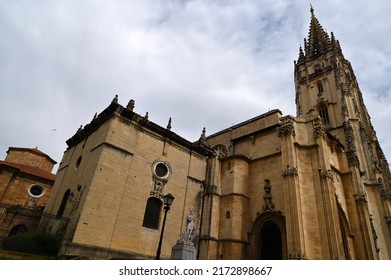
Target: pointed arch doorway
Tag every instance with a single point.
(270, 242)
(268, 237)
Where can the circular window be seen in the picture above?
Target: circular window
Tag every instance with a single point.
(161, 170)
(36, 191)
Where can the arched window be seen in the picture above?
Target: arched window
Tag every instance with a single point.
(64, 200)
(18, 229)
(320, 88)
(324, 114)
(152, 213)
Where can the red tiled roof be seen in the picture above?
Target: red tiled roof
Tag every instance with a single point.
(32, 170)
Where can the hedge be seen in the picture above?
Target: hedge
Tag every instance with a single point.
(32, 243)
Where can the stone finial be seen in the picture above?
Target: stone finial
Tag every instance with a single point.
(144, 120)
(203, 141)
(115, 99)
(130, 105)
(169, 124)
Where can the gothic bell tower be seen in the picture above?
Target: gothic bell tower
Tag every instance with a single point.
(323, 78)
(326, 86)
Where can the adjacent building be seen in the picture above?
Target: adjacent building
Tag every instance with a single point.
(26, 180)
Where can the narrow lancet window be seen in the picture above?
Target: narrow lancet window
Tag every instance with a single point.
(320, 88)
(324, 114)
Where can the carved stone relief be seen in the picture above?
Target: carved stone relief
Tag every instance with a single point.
(356, 108)
(382, 190)
(326, 174)
(286, 128)
(360, 197)
(161, 171)
(269, 205)
(319, 130)
(289, 171)
(296, 255)
(351, 148)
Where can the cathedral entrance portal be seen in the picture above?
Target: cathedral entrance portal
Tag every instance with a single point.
(268, 237)
(270, 242)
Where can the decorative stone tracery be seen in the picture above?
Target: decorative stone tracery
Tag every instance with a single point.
(220, 151)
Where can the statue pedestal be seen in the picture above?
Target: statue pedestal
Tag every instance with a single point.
(183, 251)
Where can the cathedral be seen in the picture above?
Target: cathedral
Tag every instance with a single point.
(314, 186)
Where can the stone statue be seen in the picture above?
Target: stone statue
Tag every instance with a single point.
(269, 205)
(187, 234)
(130, 105)
(184, 248)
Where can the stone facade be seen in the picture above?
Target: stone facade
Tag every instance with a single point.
(110, 168)
(314, 186)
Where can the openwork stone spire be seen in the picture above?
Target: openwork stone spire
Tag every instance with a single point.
(318, 41)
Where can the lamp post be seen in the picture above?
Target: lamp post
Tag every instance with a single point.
(167, 199)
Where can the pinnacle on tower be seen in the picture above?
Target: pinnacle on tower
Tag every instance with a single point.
(203, 140)
(318, 39)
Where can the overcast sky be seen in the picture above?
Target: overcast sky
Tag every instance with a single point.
(203, 63)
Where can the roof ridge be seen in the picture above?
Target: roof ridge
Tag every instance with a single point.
(34, 151)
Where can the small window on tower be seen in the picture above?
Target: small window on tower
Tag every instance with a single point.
(320, 88)
(324, 114)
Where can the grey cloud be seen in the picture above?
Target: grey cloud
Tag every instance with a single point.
(194, 61)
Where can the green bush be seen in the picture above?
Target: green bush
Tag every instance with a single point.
(32, 243)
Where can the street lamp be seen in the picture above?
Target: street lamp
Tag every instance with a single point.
(167, 199)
